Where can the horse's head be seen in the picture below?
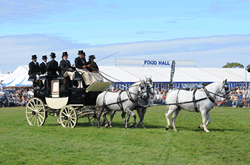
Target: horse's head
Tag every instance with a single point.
(143, 90)
(224, 89)
(150, 86)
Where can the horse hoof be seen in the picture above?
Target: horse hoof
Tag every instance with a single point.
(199, 126)
(106, 126)
(111, 126)
(166, 128)
(131, 125)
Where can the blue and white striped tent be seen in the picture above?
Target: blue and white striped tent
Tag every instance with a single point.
(18, 78)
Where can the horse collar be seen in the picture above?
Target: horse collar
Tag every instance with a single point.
(209, 96)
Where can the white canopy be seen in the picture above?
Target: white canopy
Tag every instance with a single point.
(158, 74)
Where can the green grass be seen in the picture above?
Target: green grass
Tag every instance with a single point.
(227, 143)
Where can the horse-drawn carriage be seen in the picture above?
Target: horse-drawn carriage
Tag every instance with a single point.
(67, 104)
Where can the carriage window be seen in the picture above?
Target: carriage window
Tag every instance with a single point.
(55, 88)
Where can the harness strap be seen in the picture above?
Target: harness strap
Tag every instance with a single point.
(177, 96)
(209, 96)
(119, 102)
(130, 97)
(104, 104)
(195, 105)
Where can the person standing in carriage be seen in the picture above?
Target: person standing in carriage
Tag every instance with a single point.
(34, 70)
(94, 69)
(81, 66)
(66, 69)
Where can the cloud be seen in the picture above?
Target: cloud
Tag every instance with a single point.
(214, 51)
(29, 11)
(218, 7)
(147, 32)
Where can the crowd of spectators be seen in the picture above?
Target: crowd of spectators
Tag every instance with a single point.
(14, 97)
(239, 97)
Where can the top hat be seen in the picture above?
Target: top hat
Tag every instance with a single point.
(44, 57)
(53, 55)
(81, 52)
(34, 57)
(64, 54)
(92, 57)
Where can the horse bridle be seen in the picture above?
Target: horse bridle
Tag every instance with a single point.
(139, 94)
(226, 88)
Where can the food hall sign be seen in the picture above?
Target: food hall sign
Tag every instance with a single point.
(156, 62)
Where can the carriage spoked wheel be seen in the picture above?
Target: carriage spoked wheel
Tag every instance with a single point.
(35, 112)
(68, 117)
(93, 120)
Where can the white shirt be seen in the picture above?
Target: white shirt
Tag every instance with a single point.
(30, 93)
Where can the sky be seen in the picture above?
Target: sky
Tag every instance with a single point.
(211, 32)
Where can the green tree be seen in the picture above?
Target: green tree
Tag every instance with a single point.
(233, 65)
(248, 66)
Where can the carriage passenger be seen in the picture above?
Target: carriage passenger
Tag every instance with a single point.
(81, 66)
(66, 69)
(94, 69)
(43, 67)
(34, 70)
(52, 67)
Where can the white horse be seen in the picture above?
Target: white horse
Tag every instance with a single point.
(124, 101)
(141, 107)
(182, 99)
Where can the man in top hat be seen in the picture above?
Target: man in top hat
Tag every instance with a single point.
(34, 70)
(43, 65)
(94, 69)
(66, 68)
(81, 66)
(65, 63)
(52, 66)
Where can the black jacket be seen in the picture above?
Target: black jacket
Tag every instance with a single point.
(79, 63)
(64, 65)
(52, 67)
(43, 68)
(93, 67)
(33, 69)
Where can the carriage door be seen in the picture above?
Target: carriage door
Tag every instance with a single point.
(55, 88)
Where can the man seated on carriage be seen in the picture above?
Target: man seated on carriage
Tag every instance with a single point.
(52, 69)
(81, 66)
(94, 69)
(66, 69)
(34, 70)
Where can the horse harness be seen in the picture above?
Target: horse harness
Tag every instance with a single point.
(194, 100)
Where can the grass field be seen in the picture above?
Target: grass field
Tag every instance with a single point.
(227, 143)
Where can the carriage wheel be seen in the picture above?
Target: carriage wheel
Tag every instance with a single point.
(93, 120)
(35, 112)
(68, 117)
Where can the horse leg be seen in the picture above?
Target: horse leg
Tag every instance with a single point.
(174, 118)
(130, 112)
(99, 116)
(143, 114)
(208, 120)
(111, 118)
(167, 114)
(203, 114)
(105, 118)
(140, 114)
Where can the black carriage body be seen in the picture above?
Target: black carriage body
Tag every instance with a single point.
(76, 95)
